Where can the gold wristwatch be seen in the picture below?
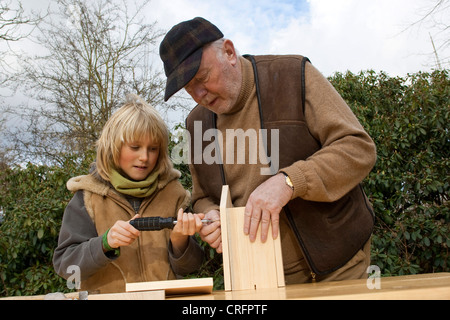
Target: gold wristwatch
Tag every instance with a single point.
(288, 181)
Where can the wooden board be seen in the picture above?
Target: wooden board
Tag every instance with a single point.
(247, 265)
(225, 203)
(174, 287)
(433, 286)
(147, 295)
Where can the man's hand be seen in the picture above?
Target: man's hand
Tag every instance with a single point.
(212, 233)
(264, 205)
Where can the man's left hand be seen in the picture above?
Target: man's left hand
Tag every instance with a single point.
(264, 205)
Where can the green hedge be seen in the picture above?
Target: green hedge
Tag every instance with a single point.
(409, 187)
(33, 200)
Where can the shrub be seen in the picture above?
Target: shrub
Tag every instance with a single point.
(409, 186)
(33, 199)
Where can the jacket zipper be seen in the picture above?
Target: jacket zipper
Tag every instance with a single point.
(287, 211)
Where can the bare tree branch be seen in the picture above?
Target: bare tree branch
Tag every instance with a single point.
(436, 17)
(11, 20)
(97, 52)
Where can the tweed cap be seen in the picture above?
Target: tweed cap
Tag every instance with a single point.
(181, 51)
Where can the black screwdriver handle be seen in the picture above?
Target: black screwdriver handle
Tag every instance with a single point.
(152, 223)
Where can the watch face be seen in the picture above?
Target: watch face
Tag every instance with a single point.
(289, 182)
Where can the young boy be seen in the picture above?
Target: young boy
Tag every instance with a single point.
(133, 177)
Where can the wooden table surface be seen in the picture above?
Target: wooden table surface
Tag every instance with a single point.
(434, 286)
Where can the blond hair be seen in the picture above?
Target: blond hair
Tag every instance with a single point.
(131, 122)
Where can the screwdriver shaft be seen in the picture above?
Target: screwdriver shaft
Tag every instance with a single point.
(204, 221)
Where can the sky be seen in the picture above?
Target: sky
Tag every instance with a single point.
(336, 35)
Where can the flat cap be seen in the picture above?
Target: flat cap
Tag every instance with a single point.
(181, 51)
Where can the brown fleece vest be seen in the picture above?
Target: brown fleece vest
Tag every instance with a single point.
(329, 234)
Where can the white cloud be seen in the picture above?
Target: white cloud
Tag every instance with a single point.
(358, 35)
(337, 35)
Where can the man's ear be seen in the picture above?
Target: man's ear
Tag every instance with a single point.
(230, 52)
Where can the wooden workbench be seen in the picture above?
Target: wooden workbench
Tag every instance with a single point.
(434, 286)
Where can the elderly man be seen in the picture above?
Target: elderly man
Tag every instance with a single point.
(313, 198)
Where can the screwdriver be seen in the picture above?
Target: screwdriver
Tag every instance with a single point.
(158, 223)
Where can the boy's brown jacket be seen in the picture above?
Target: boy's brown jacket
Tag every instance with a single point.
(94, 209)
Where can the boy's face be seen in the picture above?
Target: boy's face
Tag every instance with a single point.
(138, 158)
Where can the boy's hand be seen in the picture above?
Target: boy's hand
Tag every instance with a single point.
(187, 225)
(122, 234)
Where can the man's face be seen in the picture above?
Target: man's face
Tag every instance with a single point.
(217, 83)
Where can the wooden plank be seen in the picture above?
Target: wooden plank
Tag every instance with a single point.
(225, 203)
(247, 265)
(254, 264)
(174, 287)
(279, 261)
(144, 295)
(410, 294)
(410, 287)
(434, 286)
(148, 295)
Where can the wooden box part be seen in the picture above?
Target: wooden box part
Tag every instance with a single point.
(174, 287)
(247, 265)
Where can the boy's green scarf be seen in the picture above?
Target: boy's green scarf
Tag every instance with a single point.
(139, 189)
